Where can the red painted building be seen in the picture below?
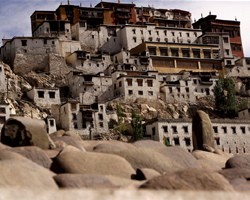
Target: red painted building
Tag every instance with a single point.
(211, 24)
(118, 13)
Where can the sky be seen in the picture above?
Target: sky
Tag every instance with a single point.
(15, 14)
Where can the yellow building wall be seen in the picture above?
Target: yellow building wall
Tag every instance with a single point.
(107, 18)
(76, 15)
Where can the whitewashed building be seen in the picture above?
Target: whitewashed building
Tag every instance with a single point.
(136, 84)
(44, 97)
(81, 119)
(4, 113)
(230, 135)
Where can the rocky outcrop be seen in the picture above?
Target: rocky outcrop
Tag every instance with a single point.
(21, 131)
(202, 131)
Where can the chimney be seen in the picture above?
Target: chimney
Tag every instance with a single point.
(119, 1)
(80, 4)
(68, 2)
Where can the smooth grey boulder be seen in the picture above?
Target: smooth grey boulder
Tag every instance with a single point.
(34, 154)
(189, 179)
(239, 161)
(83, 181)
(22, 131)
(72, 160)
(202, 131)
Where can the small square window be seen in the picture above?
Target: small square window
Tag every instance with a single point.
(150, 93)
(224, 129)
(52, 95)
(174, 128)
(185, 129)
(243, 129)
(215, 129)
(187, 141)
(130, 92)
(101, 124)
(75, 126)
(165, 128)
(140, 92)
(74, 116)
(51, 122)
(40, 94)
(24, 43)
(234, 130)
(2, 120)
(2, 110)
(100, 116)
(177, 141)
(217, 140)
(53, 42)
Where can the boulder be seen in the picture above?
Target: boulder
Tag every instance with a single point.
(34, 154)
(189, 179)
(154, 158)
(209, 164)
(8, 155)
(144, 108)
(146, 174)
(83, 181)
(235, 173)
(73, 135)
(56, 134)
(124, 183)
(72, 160)
(22, 131)
(241, 185)
(148, 143)
(220, 160)
(112, 146)
(151, 109)
(51, 153)
(239, 161)
(3, 146)
(68, 140)
(202, 131)
(89, 145)
(25, 174)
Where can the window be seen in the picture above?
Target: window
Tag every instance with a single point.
(153, 131)
(170, 90)
(44, 41)
(130, 92)
(74, 116)
(174, 128)
(140, 82)
(140, 92)
(120, 84)
(115, 86)
(229, 62)
(101, 124)
(177, 141)
(185, 53)
(51, 122)
(187, 141)
(195, 81)
(2, 119)
(225, 39)
(165, 33)
(134, 31)
(24, 43)
(40, 94)
(134, 39)
(243, 129)
(227, 51)
(207, 54)
(150, 93)
(195, 34)
(152, 51)
(75, 126)
(180, 34)
(135, 61)
(165, 128)
(187, 34)
(224, 129)
(215, 129)
(84, 125)
(164, 52)
(93, 36)
(178, 89)
(185, 129)
(187, 89)
(175, 52)
(149, 32)
(53, 42)
(2, 110)
(129, 82)
(196, 54)
(217, 140)
(52, 95)
(150, 83)
(234, 130)
(100, 116)
(157, 32)
(73, 106)
(141, 31)
(172, 33)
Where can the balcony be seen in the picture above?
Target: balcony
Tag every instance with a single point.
(122, 10)
(87, 118)
(122, 16)
(91, 15)
(206, 83)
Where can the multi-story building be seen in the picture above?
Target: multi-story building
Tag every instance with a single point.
(88, 63)
(187, 86)
(175, 57)
(230, 135)
(81, 119)
(212, 24)
(39, 16)
(136, 84)
(90, 88)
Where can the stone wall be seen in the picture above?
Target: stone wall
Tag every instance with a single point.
(57, 65)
